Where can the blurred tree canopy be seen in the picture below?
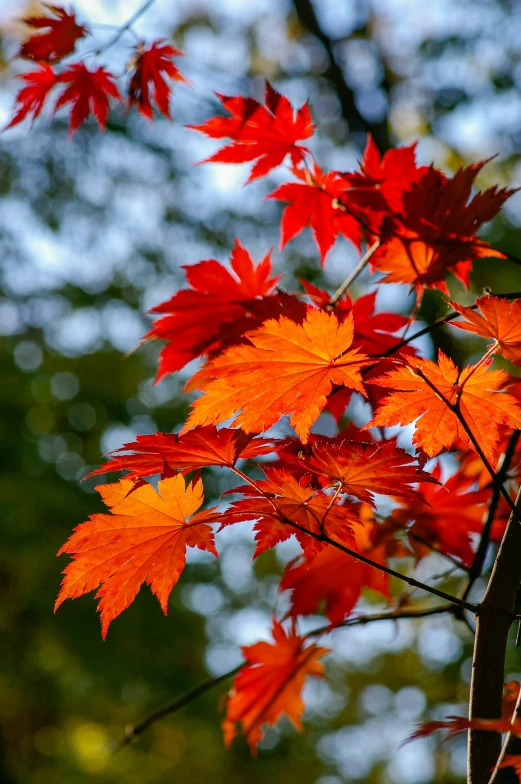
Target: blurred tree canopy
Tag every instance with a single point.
(94, 232)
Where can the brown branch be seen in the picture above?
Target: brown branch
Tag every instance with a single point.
(496, 613)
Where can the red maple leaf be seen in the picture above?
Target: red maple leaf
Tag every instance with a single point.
(378, 189)
(31, 98)
(57, 37)
(314, 202)
(436, 233)
(197, 448)
(265, 134)
(88, 92)
(270, 684)
(281, 500)
(144, 539)
(218, 309)
(147, 82)
(447, 516)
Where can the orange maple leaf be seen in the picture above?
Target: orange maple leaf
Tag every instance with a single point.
(288, 369)
(270, 684)
(501, 320)
(56, 38)
(88, 91)
(147, 82)
(144, 539)
(424, 391)
(282, 499)
(265, 134)
(365, 469)
(197, 448)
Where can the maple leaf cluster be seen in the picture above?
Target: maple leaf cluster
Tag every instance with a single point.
(272, 362)
(84, 89)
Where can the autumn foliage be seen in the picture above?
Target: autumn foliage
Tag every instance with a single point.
(271, 362)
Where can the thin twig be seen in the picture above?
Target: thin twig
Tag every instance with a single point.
(134, 731)
(362, 264)
(128, 24)
(481, 552)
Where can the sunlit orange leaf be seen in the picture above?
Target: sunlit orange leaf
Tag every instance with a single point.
(270, 685)
(312, 202)
(446, 516)
(143, 539)
(501, 321)
(88, 92)
(265, 134)
(423, 387)
(147, 82)
(366, 469)
(197, 448)
(281, 500)
(56, 38)
(31, 98)
(288, 369)
(336, 579)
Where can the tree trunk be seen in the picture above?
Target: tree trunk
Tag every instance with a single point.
(494, 619)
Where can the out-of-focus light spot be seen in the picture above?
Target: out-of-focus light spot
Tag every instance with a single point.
(48, 741)
(10, 321)
(28, 356)
(39, 420)
(64, 386)
(82, 416)
(90, 744)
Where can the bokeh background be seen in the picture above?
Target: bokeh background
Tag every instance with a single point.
(93, 232)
